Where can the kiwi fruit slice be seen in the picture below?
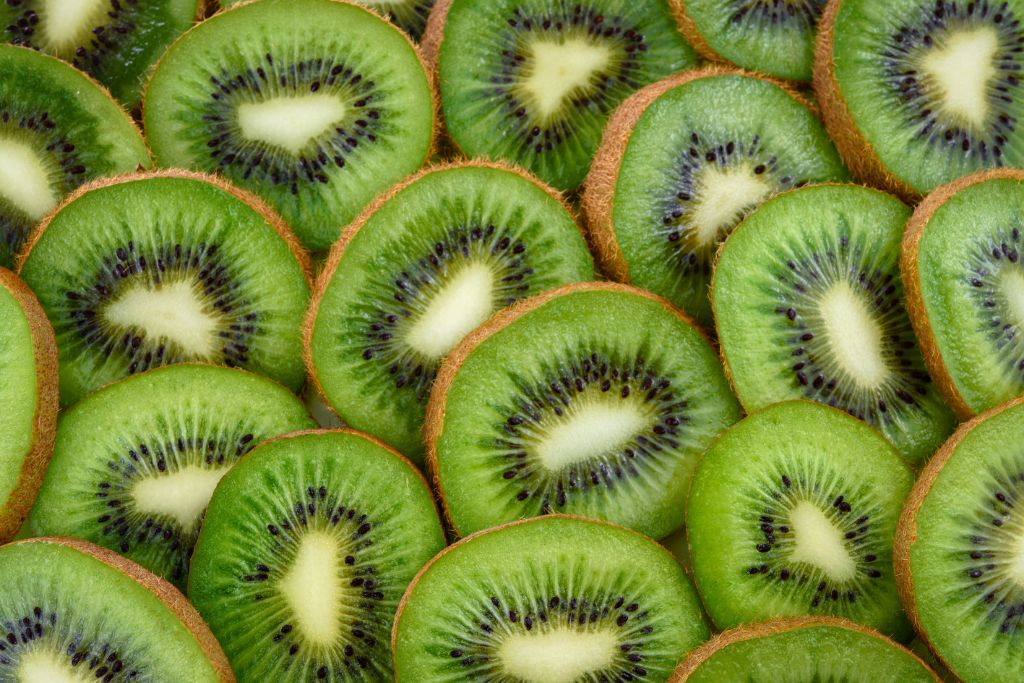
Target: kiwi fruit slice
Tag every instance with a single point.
(958, 548)
(551, 599)
(135, 462)
(917, 93)
(682, 161)
(28, 394)
(152, 269)
(792, 511)
(425, 264)
(75, 612)
(408, 15)
(802, 649)
(307, 547)
(318, 106)
(594, 399)
(58, 129)
(533, 81)
(808, 303)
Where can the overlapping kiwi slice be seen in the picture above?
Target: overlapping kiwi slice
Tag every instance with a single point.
(808, 304)
(916, 93)
(135, 463)
(682, 161)
(409, 15)
(549, 599)
(428, 262)
(792, 511)
(146, 270)
(316, 105)
(75, 612)
(533, 81)
(58, 129)
(594, 399)
(306, 550)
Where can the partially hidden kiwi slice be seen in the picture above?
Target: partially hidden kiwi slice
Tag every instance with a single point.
(409, 15)
(916, 93)
(802, 649)
(792, 511)
(808, 304)
(550, 599)
(136, 462)
(682, 162)
(316, 105)
(533, 81)
(424, 265)
(58, 129)
(75, 612)
(28, 400)
(152, 269)
(595, 399)
(307, 547)
(958, 548)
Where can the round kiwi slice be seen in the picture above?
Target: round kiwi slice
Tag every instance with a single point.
(28, 394)
(595, 399)
(153, 269)
(307, 547)
(533, 81)
(316, 105)
(136, 462)
(425, 264)
(808, 303)
(958, 548)
(550, 599)
(58, 129)
(682, 161)
(916, 93)
(802, 649)
(74, 612)
(792, 511)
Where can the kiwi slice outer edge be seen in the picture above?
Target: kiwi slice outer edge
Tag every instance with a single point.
(688, 27)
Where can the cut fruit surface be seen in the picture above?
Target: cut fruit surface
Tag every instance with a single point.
(409, 15)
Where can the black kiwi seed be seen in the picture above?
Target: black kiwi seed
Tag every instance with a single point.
(983, 263)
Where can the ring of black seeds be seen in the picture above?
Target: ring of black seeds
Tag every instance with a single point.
(776, 12)
(987, 262)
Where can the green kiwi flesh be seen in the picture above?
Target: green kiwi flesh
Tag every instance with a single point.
(408, 15)
(307, 547)
(316, 105)
(136, 462)
(808, 303)
(549, 599)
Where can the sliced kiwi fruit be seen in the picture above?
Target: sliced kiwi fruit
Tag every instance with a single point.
(808, 304)
(792, 511)
(136, 462)
(152, 269)
(594, 399)
(409, 15)
(958, 548)
(916, 93)
(28, 400)
(316, 105)
(426, 263)
(802, 649)
(551, 599)
(307, 547)
(58, 129)
(533, 81)
(682, 161)
(72, 611)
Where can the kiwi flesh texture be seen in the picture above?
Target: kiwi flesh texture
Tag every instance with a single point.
(808, 303)
(153, 269)
(318, 106)
(409, 15)
(532, 82)
(550, 599)
(135, 462)
(682, 161)
(307, 547)
(58, 129)
(428, 262)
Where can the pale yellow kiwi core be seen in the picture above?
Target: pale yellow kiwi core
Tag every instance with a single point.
(854, 335)
(464, 302)
(962, 69)
(181, 495)
(312, 587)
(589, 428)
(1011, 287)
(819, 542)
(174, 310)
(24, 181)
(557, 70)
(726, 195)
(290, 122)
(65, 24)
(40, 665)
(557, 656)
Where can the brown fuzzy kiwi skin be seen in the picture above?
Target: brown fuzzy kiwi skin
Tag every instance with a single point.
(909, 256)
(693, 661)
(44, 431)
(688, 27)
